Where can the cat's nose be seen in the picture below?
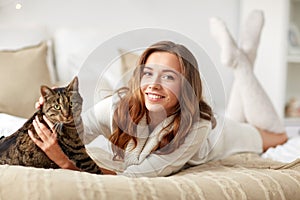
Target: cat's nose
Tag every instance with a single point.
(66, 113)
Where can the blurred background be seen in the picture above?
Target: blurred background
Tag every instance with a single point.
(23, 22)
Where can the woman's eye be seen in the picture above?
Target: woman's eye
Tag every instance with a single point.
(57, 107)
(168, 77)
(147, 73)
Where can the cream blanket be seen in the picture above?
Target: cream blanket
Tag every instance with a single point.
(242, 176)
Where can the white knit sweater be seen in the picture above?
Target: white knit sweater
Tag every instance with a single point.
(199, 146)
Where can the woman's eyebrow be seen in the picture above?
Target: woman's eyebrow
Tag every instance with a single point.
(171, 71)
(150, 68)
(164, 70)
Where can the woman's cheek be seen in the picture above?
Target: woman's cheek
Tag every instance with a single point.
(174, 88)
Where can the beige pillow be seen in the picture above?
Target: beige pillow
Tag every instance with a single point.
(22, 72)
(129, 60)
(117, 75)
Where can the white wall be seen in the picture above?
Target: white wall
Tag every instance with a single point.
(189, 17)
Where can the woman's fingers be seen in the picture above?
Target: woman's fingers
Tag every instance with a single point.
(34, 139)
(50, 124)
(47, 139)
(41, 100)
(40, 132)
(43, 131)
(39, 104)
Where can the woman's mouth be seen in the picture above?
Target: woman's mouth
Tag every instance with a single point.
(154, 97)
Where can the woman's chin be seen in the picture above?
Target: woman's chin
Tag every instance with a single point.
(156, 108)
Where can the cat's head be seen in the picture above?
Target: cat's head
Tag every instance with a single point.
(63, 104)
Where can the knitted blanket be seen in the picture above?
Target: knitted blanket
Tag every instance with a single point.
(241, 176)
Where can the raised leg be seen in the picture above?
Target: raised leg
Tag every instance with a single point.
(251, 33)
(256, 105)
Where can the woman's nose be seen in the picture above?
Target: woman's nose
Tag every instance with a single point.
(154, 86)
(155, 83)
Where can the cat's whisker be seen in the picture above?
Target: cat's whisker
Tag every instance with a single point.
(57, 127)
(60, 126)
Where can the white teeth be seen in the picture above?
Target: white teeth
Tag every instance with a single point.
(153, 96)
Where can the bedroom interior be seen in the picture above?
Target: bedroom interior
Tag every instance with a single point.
(50, 41)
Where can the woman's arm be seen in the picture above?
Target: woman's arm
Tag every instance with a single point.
(48, 143)
(98, 120)
(162, 165)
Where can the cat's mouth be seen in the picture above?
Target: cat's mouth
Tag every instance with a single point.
(59, 124)
(67, 121)
(64, 120)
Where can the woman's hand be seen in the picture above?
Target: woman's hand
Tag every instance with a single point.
(107, 171)
(40, 102)
(48, 143)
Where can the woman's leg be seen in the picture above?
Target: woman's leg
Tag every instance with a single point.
(250, 34)
(249, 41)
(270, 139)
(250, 37)
(256, 105)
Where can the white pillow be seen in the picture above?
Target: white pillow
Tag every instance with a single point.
(72, 47)
(79, 52)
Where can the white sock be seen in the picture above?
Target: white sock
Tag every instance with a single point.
(223, 37)
(228, 47)
(249, 41)
(256, 108)
(250, 34)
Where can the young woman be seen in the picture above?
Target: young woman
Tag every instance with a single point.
(162, 123)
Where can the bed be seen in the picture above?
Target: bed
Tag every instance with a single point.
(273, 175)
(242, 176)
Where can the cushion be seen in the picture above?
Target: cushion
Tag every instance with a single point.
(117, 73)
(16, 37)
(22, 72)
(71, 48)
(129, 60)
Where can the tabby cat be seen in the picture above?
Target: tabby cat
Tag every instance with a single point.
(62, 107)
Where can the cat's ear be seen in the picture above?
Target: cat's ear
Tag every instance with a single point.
(73, 86)
(46, 91)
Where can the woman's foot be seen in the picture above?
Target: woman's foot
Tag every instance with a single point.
(250, 34)
(271, 139)
(229, 49)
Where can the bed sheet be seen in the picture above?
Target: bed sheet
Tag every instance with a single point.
(9, 124)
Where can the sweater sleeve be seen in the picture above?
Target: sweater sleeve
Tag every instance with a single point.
(162, 165)
(97, 120)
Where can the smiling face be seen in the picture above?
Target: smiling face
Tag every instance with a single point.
(161, 81)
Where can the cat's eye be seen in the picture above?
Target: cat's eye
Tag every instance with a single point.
(71, 103)
(57, 107)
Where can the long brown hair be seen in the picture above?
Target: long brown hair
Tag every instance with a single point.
(131, 108)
